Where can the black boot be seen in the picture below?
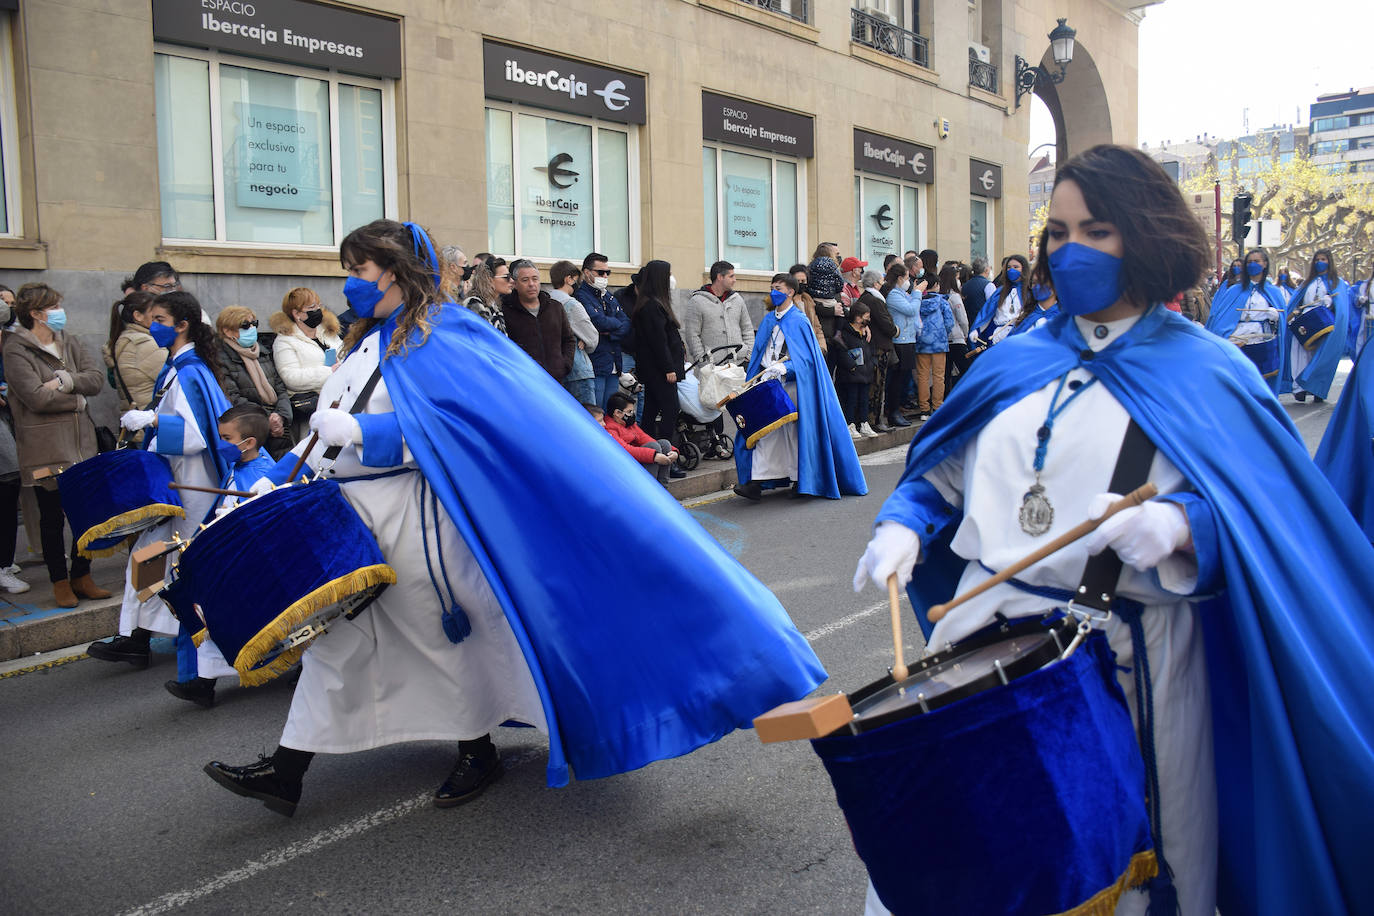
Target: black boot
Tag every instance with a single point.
(750, 491)
(479, 765)
(275, 780)
(132, 648)
(1300, 396)
(200, 690)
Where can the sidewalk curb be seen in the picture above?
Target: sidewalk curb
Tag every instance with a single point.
(92, 620)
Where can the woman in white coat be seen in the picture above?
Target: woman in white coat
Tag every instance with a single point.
(304, 352)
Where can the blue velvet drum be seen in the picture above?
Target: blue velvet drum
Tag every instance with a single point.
(1027, 797)
(1312, 325)
(265, 578)
(761, 409)
(1264, 353)
(110, 498)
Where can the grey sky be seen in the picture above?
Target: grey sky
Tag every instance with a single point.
(1203, 62)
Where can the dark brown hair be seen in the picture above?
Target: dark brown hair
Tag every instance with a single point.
(122, 312)
(248, 420)
(392, 246)
(183, 306)
(34, 297)
(895, 272)
(1164, 249)
(1331, 277)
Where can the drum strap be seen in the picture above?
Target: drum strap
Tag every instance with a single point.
(1097, 589)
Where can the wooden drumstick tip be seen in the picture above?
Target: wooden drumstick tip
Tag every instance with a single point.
(899, 670)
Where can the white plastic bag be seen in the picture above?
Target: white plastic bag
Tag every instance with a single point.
(718, 383)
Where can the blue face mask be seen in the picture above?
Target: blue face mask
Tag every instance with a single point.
(248, 338)
(363, 296)
(1013, 274)
(1041, 292)
(163, 335)
(1085, 279)
(1320, 266)
(777, 297)
(1235, 270)
(1254, 268)
(57, 319)
(1283, 276)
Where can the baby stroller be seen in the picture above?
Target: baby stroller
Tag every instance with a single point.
(700, 430)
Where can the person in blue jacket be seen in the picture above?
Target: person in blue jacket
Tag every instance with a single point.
(814, 452)
(1252, 311)
(1259, 655)
(1313, 370)
(611, 323)
(903, 295)
(932, 345)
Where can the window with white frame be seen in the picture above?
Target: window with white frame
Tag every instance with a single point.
(11, 214)
(560, 185)
(889, 218)
(252, 154)
(752, 204)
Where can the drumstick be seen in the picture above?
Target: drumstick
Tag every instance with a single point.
(745, 387)
(1135, 498)
(894, 601)
(241, 494)
(315, 437)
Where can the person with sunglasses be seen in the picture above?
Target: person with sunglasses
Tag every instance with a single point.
(612, 324)
(491, 280)
(250, 374)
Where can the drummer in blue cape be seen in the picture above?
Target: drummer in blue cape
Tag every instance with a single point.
(1253, 316)
(1319, 321)
(1258, 681)
(810, 447)
(487, 622)
(183, 419)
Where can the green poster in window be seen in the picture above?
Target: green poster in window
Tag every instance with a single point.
(277, 154)
(746, 212)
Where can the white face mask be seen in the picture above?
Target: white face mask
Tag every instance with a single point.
(672, 282)
(601, 283)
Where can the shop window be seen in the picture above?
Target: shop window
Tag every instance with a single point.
(11, 221)
(754, 201)
(980, 229)
(560, 186)
(889, 218)
(279, 157)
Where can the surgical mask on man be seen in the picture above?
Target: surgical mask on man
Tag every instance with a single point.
(777, 297)
(601, 283)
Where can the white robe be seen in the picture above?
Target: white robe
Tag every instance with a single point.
(195, 466)
(988, 481)
(390, 674)
(1258, 318)
(775, 455)
(1298, 355)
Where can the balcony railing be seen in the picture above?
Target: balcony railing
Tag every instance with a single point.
(881, 35)
(799, 10)
(980, 75)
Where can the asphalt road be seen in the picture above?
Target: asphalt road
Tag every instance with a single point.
(107, 810)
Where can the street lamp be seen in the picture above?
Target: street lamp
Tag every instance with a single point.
(1061, 46)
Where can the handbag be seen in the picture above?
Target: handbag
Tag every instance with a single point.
(304, 403)
(104, 440)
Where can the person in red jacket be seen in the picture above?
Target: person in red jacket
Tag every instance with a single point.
(657, 455)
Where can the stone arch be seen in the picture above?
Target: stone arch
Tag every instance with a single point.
(1078, 105)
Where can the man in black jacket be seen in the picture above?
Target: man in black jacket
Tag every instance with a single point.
(536, 323)
(883, 329)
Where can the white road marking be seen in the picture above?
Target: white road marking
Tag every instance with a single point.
(836, 625)
(895, 455)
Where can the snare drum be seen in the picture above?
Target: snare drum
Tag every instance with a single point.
(1312, 325)
(997, 778)
(110, 498)
(269, 576)
(761, 409)
(1264, 352)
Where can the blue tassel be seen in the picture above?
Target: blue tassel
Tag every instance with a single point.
(1163, 894)
(457, 627)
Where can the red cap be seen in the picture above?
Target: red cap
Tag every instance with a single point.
(850, 263)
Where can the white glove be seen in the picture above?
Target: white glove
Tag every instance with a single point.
(777, 370)
(1143, 536)
(134, 420)
(336, 427)
(894, 549)
(973, 337)
(260, 486)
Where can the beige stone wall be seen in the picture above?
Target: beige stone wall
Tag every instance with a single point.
(85, 84)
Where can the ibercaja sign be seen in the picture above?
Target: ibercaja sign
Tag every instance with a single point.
(293, 31)
(562, 84)
(893, 158)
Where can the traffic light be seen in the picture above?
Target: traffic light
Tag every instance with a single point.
(1240, 216)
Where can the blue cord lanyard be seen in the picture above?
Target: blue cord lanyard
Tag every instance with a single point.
(1036, 514)
(1044, 432)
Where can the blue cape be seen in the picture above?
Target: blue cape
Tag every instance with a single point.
(1225, 317)
(827, 463)
(1321, 371)
(986, 313)
(1033, 317)
(1288, 640)
(646, 639)
(207, 402)
(1346, 455)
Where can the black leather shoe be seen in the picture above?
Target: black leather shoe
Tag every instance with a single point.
(897, 420)
(881, 428)
(200, 691)
(676, 473)
(120, 649)
(1318, 400)
(469, 779)
(1300, 395)
(259, 780)
(750, 491)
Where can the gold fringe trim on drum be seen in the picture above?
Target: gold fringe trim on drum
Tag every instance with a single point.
(771, 427)
(294, 616)
(105, 529)
(1316, 339)
(1143, 867)
(199, 636)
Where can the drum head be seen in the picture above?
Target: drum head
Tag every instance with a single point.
(984, 661)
